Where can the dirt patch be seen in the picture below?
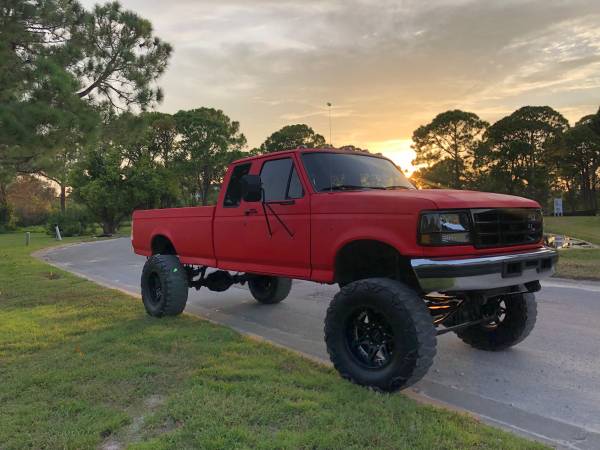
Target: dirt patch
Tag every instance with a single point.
(133, 432)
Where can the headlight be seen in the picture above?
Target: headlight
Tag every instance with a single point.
(445, 228)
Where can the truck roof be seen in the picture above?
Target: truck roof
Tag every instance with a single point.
(310, 150)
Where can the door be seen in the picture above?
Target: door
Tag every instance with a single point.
(277, 231)
(230, 221)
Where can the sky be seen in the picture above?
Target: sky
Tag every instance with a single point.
(387, 67)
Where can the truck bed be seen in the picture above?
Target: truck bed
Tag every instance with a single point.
(189, 229)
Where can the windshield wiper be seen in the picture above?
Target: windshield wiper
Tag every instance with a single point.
(351, 187)
(398, 186)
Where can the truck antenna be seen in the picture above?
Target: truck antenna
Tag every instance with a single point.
(329, 106)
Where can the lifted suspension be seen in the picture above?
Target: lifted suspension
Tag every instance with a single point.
(218, 281)
(464, 325)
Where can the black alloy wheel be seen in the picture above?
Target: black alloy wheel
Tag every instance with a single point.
(370, 338)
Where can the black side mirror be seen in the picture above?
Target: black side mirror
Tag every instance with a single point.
(251, 188)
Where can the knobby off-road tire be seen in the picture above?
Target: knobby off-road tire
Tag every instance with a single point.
(408, 333)
(164, 286)
(269, 290)
(518, 321)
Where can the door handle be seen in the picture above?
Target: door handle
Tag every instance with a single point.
(250, 211)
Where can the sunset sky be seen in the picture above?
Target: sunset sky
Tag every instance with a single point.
(386, 66)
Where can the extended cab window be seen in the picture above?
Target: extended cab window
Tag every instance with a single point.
(280, 180)
(233, 196)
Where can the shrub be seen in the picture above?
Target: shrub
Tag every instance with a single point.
(31, 199)
(6, 218)
(75, 221)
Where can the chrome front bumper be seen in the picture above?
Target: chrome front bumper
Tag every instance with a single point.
(484, 273)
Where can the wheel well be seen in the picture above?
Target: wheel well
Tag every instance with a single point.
(369, 259)
(162, 245)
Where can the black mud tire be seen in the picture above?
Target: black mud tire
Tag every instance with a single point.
(164, 286)
(413, 334)
(519, 320)
(269, 290)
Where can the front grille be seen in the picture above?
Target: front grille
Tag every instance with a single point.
(500, 227)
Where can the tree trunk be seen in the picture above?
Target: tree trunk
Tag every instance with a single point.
(109, 227)
(205, 186)
(205, 191)
(5, 211)
(456, 166)
(63, 198)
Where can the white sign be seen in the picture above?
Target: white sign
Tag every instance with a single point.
(558, 207)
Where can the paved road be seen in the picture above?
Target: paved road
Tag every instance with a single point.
(547, 387)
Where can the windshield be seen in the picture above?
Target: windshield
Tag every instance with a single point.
(343, 171)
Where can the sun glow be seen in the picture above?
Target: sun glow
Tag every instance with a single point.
(398, 150)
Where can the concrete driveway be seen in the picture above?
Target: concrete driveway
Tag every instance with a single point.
(547, 387)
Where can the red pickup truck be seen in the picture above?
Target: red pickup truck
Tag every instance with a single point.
(411, 264)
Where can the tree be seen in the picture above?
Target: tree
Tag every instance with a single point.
(56, 59)
(354, 148)
(578, 161)
(36, 93)
(209, 141)
(151, 138)
(77, 130)
(516, 150)
(437, 175)
(5, 208)
(119, 58)
(452, 135)
(32, 200)
(162, 136)
(292, 136)
(110, 187)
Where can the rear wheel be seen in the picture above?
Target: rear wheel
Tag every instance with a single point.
(379, 333)
(269, 290)
(164, 286)
(514, 318)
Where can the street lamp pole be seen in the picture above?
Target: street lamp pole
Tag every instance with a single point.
(329, 106)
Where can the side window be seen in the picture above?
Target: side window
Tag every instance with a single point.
(233, 196)
(295, 190)
(280, 180)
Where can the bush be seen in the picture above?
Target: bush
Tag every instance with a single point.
(31, 199)
(75, 221)
(6, 218)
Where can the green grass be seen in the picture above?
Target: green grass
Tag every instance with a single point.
(577, 263)
(583, 264)
(586, 228)
(82, 365)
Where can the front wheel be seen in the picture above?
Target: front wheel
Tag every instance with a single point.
(269, 290)
(515, 317)
(164, 286)
(379, 333)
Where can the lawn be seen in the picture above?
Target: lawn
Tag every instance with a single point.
(586, 228)
(83, 366)
(582, 263)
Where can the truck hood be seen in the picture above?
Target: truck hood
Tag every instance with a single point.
(412, 201)
(451, 198)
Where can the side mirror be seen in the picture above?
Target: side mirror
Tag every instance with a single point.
(251, 188)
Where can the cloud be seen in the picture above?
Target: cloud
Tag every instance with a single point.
(387, 66)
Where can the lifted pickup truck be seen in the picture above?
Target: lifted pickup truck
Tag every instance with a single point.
(411, 264)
